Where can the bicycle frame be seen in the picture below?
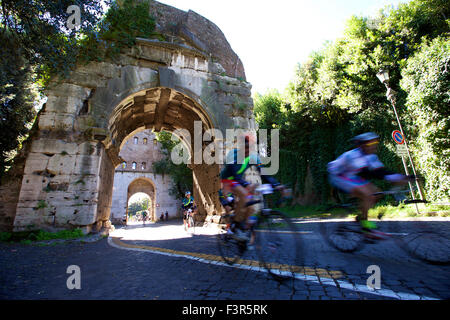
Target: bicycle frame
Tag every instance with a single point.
(267, 245)
(342, 236)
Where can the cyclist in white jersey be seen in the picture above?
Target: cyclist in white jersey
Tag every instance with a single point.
(350, 171)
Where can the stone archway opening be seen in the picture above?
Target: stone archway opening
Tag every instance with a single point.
(156, 109)
(140, 153)
(161, 109)
(137, 203)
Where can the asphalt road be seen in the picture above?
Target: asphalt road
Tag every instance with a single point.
(163, 262)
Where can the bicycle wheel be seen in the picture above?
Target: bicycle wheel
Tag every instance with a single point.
(426, 242)
(279, 245)
(230, 249)
(343, 236)
(190, 224)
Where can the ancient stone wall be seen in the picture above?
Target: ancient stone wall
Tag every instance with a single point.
(141, 149)
(68, 175)
(193, 29)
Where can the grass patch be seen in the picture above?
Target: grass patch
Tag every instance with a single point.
(317, 211)
(28, 237)
(378, 212)
(409, 210)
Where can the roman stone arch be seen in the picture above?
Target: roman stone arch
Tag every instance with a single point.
(162, 108)
(144, 185)
(66, 170)
(141, 148)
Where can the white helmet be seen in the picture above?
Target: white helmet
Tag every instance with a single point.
(364, 137)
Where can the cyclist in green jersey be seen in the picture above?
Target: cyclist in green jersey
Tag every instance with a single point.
(232, 176)
(188, 203)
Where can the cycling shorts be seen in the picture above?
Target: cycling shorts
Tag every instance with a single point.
(346, 183)
(230, 184)
(186, 209)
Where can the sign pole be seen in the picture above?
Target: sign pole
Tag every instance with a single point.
(407, 149)
(409, 183)
(407, 173)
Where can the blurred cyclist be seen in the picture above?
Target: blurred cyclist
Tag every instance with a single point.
(226, 201)
(350, 171)
(232, 176)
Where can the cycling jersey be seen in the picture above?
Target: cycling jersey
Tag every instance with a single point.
(227, 200)
(233, 171)
(351, 169)
(187, 203)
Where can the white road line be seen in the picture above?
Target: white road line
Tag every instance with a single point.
(285, 231)
(300, 276)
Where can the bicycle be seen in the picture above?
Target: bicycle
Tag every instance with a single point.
(190, 223)
(348, 236)
(276, 241)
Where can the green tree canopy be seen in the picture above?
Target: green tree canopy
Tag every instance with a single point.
(336, 95)
(426, 78)
(180, 174)
(18, 95)
(34, 39)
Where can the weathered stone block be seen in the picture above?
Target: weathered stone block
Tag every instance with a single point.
(54, 146)
(216, 68)
(84, 196)
(241, 91)
(184, 61)
(29, 195)
(88, 80)
(87, 148)
(153, 54)
(100, 69)
(65, 215)
(86, 164)
(50, 220)
(64, 121)
(53, 186)
(241, 122)
(84, 183)
(68, 90)
(33, 182)
(36, 162)
(34, 207)
(76, 215)
(61, 164)
(47, 121)
(64, 104)
(25, 221)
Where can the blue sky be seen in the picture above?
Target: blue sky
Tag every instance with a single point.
(271, 37)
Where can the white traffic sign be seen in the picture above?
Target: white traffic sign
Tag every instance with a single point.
(401, 150)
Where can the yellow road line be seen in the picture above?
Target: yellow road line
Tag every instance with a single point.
(319, 272)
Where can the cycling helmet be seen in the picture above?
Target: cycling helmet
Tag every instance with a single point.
(187, 192)
(364, 137)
